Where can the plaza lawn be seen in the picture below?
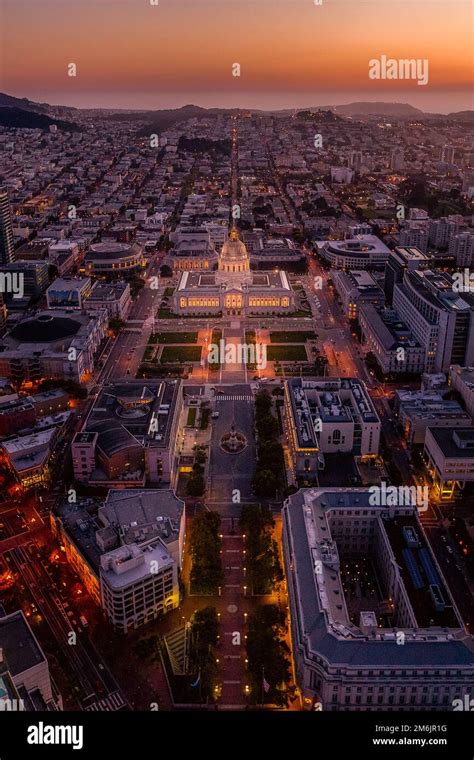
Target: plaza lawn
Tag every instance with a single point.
(174, 337)
(299, 336)
(180, 354)
(191, 417)
(286, 353)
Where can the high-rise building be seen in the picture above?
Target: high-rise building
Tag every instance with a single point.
(448, 154)
(401, 260)
(414, 236)
(440, 317)
(397, 161)
(441, 230)
(462, 248)
(355, 161)
(6, 230)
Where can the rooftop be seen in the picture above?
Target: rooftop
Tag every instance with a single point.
(18, 643)
(321, 619)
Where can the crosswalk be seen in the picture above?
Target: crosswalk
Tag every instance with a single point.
(112, 703)
(223, 397)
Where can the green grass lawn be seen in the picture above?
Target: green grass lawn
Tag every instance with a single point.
(299, 336)
(191, 417)
(180, 354)
(164, 313)
(174, 337)
(286, 353)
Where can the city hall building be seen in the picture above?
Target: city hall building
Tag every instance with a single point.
(233, 288)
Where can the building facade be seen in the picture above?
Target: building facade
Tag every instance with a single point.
(402, 646)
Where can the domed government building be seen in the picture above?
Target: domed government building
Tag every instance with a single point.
(233, 289)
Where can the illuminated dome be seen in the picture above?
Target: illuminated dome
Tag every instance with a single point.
(234, 256)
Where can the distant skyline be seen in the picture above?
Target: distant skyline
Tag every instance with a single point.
(292, 54)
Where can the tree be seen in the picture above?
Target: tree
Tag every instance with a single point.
(195, 485)
(116, 325)
(265, 483)
(267, 655)
(205, 545)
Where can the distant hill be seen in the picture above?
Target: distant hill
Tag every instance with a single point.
(30, 105)
(19, 118)
(319, 116)
(23, 103)
(159, 120)
(461, 115)
(378, 109)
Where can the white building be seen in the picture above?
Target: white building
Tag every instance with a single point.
(342, 175)
(114, 297)
(128, 554)
(394, 641)
(441, 319)
(462, 380)
(462, 248)
(390, 340)
(450, 459)
(328, 416)
(361, 252)
(397, 159)
(234, 289)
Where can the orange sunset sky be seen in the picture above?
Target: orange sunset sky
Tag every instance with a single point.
(292, 53)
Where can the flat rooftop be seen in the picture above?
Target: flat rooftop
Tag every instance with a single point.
(141, 411)
(458, 443)
(19, 644)
(330, 400)
(320, 617)
(138, 512)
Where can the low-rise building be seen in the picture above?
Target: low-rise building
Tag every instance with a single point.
(418, 410)
(30, 456)
(130, 437)
(390, 340)
(128, 552)
(113, 260)
(373, 622)
(25, 680)
(193, 250)
(356, 288)
(361, 252)
(462, 380)
(328, 416)
(114, 297)
(56, 344)
(68, 293)
(449, 456)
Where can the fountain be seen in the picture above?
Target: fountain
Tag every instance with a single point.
(233, 442)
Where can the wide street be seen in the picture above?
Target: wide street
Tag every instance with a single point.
(230, 476)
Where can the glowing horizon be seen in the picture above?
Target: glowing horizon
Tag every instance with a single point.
(291, 52)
